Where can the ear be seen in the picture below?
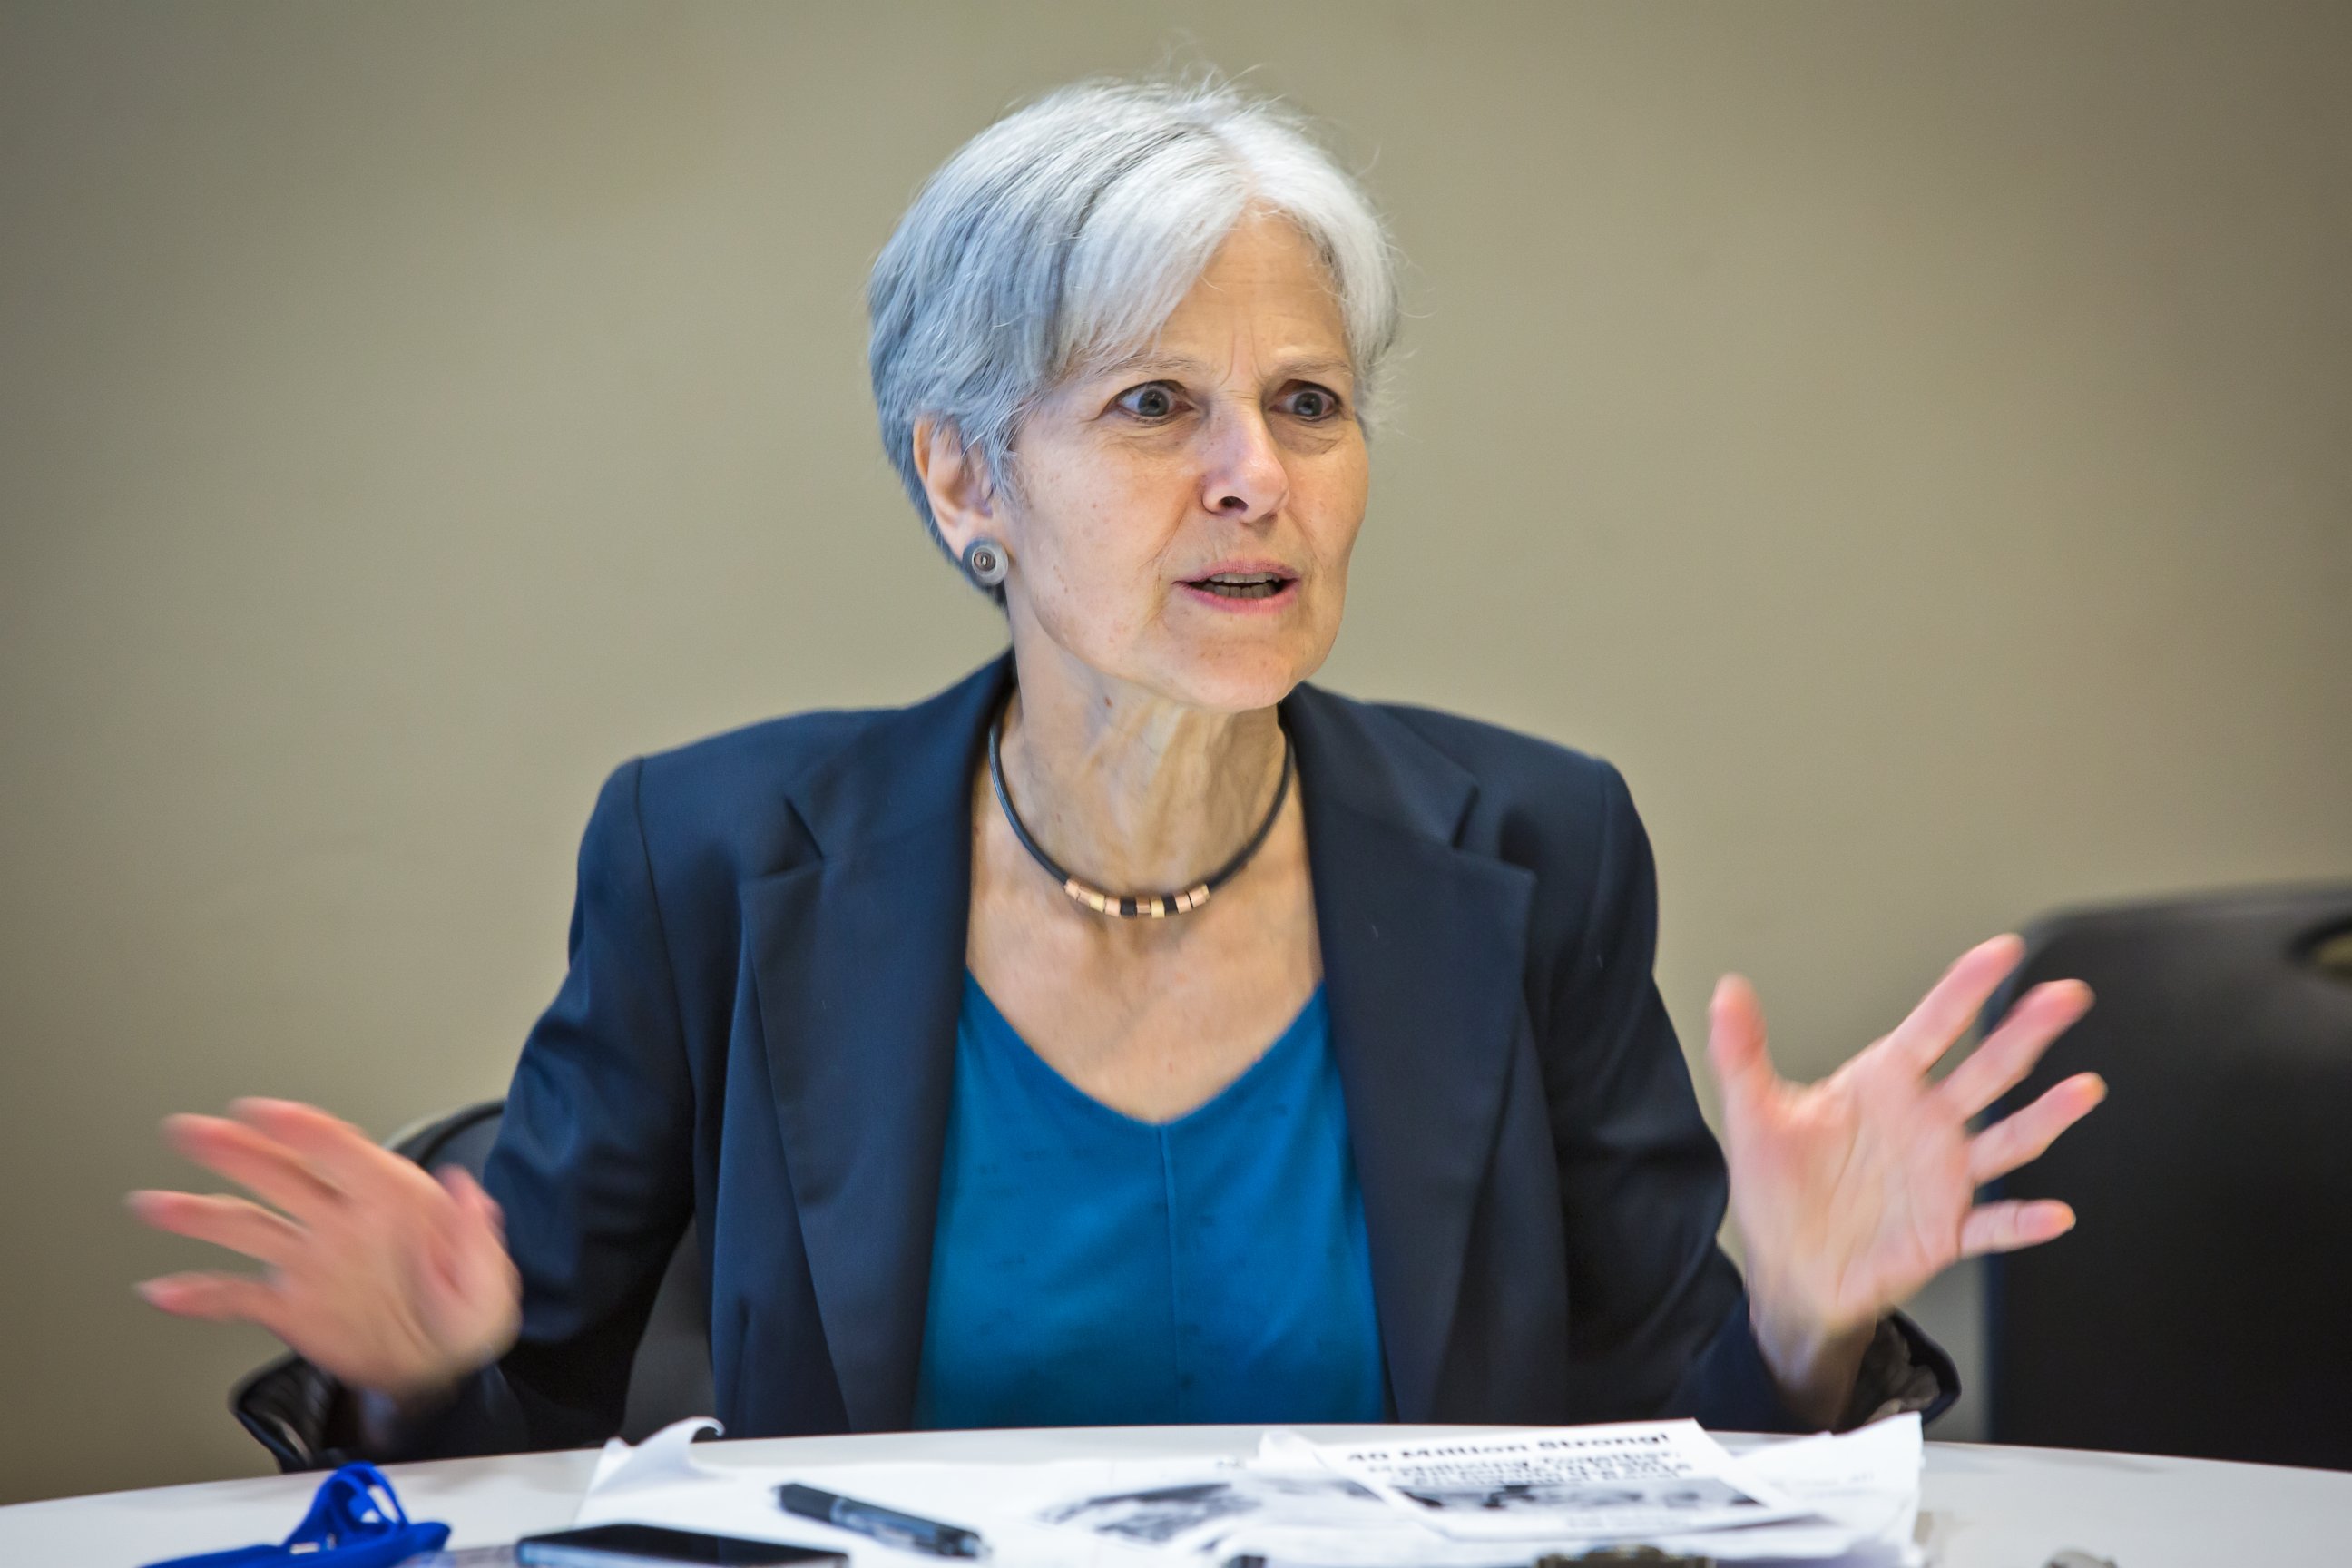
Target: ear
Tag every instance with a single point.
(955, 481)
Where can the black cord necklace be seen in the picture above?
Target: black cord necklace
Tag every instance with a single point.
(1131, 906)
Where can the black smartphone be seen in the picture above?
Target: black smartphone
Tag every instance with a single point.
(634, 1545)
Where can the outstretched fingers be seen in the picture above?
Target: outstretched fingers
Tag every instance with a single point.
(237, 1224)
(341, 1154)
(255, 1161)
(2022, 1138)
(216, 1297)
(2010, 1224)
(1953, 1002)
(2001, 1061)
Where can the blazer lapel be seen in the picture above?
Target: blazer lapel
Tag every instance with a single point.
(858, 961)
(1423, 947)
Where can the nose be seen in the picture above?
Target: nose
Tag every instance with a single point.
(1245, 479)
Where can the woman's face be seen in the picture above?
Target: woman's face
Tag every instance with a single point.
(1184, 520)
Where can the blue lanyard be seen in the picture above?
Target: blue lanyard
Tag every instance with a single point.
(355, 1521)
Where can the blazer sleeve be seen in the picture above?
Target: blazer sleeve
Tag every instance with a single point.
(593, 1166)
(1657, 1313)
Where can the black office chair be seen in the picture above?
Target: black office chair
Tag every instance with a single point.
(285, 1404)
(2200, 1309)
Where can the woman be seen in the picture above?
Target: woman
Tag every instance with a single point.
(950, 1024)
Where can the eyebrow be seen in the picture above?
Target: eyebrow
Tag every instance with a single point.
(1148, 360)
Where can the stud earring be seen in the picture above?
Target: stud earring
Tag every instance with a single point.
(985, 562)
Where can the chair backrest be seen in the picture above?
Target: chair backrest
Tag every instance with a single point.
(2198, 1309)
(670, 1378)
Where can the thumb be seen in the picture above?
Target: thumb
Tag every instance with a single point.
(469, 1265)
(1736, 1048)
(472, 1202)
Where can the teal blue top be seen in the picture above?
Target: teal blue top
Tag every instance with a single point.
(1092, 1269)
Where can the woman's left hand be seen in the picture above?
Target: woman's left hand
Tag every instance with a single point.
(1852, 1193)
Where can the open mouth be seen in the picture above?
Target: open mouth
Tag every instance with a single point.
(1243, 584)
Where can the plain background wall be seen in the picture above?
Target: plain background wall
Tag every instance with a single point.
(1916, 443)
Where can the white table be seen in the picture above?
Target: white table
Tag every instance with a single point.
(1984, 1507)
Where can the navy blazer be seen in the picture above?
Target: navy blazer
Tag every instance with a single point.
(758, 1031)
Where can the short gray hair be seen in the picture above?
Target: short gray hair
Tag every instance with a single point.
(1063, 236)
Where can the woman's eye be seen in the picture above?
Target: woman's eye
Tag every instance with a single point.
(1152, 401)
(1313, 403)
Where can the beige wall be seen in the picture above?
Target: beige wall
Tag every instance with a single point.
(1916, 443)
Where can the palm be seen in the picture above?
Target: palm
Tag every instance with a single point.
(407, 1279)
(1852, 1193)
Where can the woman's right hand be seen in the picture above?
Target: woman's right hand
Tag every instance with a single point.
(379, 1275)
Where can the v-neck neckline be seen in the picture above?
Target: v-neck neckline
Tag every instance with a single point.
(1262, 1066)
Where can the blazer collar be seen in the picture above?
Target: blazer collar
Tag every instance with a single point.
(858, 960)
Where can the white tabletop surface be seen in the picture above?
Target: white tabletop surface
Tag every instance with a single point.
(1984, 1507)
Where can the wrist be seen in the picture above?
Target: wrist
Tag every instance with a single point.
(1813, 1362)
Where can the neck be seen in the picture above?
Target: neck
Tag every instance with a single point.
(1129, 790)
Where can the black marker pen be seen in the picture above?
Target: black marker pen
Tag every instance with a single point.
(885, 1525)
